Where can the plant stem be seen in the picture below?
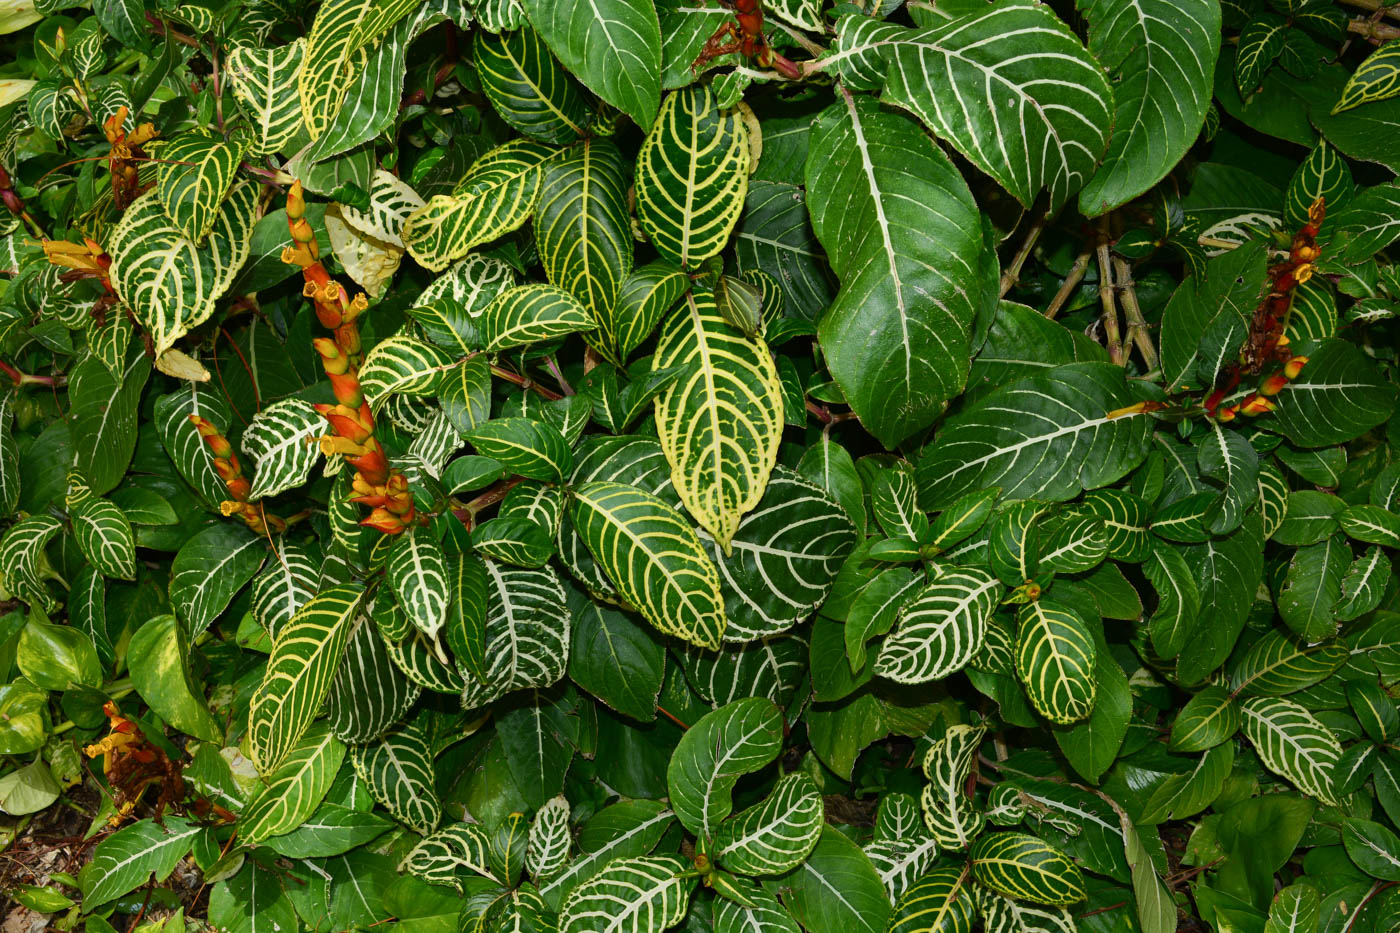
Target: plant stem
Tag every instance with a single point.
(1071, 282)
(1391, 10)
(1110, 307)
(1013, 272)
(1376, 32)
(525, 382)
(25, 379)
(1138, 331)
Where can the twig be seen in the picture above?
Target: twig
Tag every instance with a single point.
(1013, 272)
(163, 28)
(1132, 311)
(1376, 32)
(1391, 10)
(525, 382)
(1110, 307)
(1071, 282)
(671, 717)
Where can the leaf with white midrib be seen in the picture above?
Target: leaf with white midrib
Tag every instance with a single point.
(281, 443)
(940, 629)
(638, 895)
(399, 771)
(902, 233)
(527, 633)
(717, 750)
(1293, 743)
(1055, 659)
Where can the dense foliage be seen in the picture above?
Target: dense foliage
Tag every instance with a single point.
(626, 465)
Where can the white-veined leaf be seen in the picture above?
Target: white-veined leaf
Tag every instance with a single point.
(102, 531)
(193, 176)
(530, 314)
(417, 571)
(774, 836)
(281, 443)
(399, 772)
(286, 583)
(20, 553)
(449, 854)
(264, 82)
(714, 753)
(941, 629)
(1055, 660)
(527, 633)
(548, 849)
(636, 895)
(370, 693)
(210, 569)
(1293, 743)
(295, 788)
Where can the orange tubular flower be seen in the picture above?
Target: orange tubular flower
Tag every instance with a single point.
(376, 484)
(226, 464)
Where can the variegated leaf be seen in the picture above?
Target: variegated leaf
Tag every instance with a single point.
(193, 177)
(950, 816)
(653, 558)
(527, 633)
(281, 443)
(264, 82)
(692, 172)
(1055, 659)
(1292, 742)
(548, 848)
(286, 583)
(403, 365)
(450, 855)
(1021, 866)
(721, 423)
(776, 835)
(369, 693)
(530, 314)
(169, 281)
(20, 552)
(398, 770)
(300, 672)
(528, 87)
(295, 788)
(417, 571)
(941, 629)
(102, 531)
(636, 895)
(940, 901)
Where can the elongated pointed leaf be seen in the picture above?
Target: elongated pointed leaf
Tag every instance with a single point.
(775, 835)
(719, 749)
(399, 772)
(295, 789)
(1055, 660)
(1293, 743)
(1022, 866)
(636, 895)
(941, 628)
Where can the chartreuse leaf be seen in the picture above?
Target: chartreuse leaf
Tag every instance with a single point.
(328, 66)
(399, 772)
(102, 530)
(532, 313)
(300, 672)
(613, 46)
(776, 835)
(1160, 57)
(1014, 90)
(948, 814)
(902, 233)
(941, 628)
(939, 902)
(1293, 743)
(160, 670)
(1377, 78)
(583, 227)
(193, 177)
(293, 791)
(1047, 436)
(1022, 866)
(630, 895)
(714, 753)
(128, 857)
(1055, 660)
(653, 558)
(264, 83)
(528, 88)
(497, 196)
(167, 279)
(692, 171)
(720, 424)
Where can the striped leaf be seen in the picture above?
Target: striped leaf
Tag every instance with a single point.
(264, 82)
(1077, 545)
(1021, 866)
(102, 531)
(281, 443)
(548, 849)
(771, 667)
(398, 769)
(210, 569)
(643, 300)
(452, 855)
(1013, 89)
(1323, 174)
(653, 558)
(692, 172)
(126, 859)
(9, 455)
(1377, 78)
(613, 46)
(369, 693)
(524, 446)
(1160, 56)
(901, 862)
(941, 629)
(403, 365)
(20, 553)
(300, 672)
(530, 314)
(783, 558)
(714, 753)
(193, 177)
(776, 835)
(765, 915)
(183, 443)
(939, 902)
(286, 583)
(1055, 660)
(903, 234)
(1313, 584)
(1281, 662)
(528, 87)
(1364, 585)
(1001, 914)
(417, 571)
(1338, 396)
(294, 789)
(1047, 436)
(1293, 743)
(497, 196)
(422, 659)
(635, 895)
(328, 65)
(498, 15)
(948, 813)
(1295, 909)
(527, 633)
(583, 226)
(634, 828)
(1260, 44)
(169, 281)
(1208, 719)
(721, 423)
